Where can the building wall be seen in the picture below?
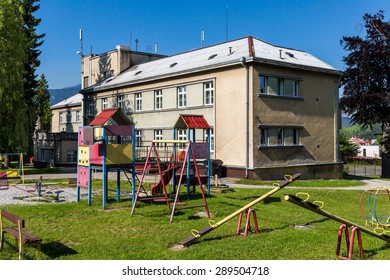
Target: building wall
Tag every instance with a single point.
(97, 67)
(312, 113)
(372, 151)
(71, 120)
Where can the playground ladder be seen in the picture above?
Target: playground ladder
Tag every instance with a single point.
(349, 241)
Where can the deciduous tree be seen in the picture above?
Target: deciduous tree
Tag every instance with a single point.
(366, 81)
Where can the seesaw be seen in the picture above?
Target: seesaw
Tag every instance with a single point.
(317, 209)
(212, 225)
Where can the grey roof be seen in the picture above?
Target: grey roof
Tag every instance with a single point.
(74, 100)
(216, 56)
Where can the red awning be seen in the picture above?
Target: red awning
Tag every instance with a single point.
(192, 121)
(115, 113)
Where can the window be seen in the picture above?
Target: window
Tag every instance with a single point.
(212, 144)
(104, 103)
(138, 138)
(158, 99)
(86, 82)
(91, 107)
(208, 89)
(120, 101)
(68, 117)
(78, 116)
(158, 136)
(279, 136)
(138, 101)
(278, 86)
(182, 135)
(182, 96)
(61, 117)
(71, 157)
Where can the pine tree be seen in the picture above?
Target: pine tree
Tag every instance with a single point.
(30, 78)
(43, 104)
(13, 108)
(366, 80)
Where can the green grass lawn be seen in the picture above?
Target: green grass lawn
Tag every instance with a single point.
(76, 231)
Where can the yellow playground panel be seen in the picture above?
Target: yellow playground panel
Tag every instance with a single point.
(83, 155)
(119, 154)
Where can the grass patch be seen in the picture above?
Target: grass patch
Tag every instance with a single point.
(76, 231)
(308, 183)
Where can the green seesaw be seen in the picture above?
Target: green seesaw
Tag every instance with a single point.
(200, 233)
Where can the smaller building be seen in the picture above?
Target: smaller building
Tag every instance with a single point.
(59, 145)
(367, 148)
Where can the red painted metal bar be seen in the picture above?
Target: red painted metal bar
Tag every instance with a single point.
(247, 222)
(349, 241)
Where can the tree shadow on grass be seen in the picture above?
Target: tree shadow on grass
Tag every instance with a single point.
(56, 249)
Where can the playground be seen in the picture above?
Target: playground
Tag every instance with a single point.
(161, 201)
(77, 231)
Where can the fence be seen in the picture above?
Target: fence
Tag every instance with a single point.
(359, 169)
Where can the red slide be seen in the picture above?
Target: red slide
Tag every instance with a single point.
(165, 179)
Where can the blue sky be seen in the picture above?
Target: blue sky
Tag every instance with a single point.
(315, 26)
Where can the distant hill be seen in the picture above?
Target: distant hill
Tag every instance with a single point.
(345, 121)
(57, 95)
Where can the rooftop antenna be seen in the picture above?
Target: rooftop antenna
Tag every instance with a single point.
(136, 44)
(81, 42)
(201, 38)
(155, 48)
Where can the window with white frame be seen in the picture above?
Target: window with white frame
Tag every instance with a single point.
(61, 117)
(138, 101)
(138, 138)
(158, 99)
(208, 89)
(120, 101)
(104, 103)
(182, 96)
(91, 107)
(279, 136)
(78, 114)
(279, 86)
(212, 144)
(158, 134)
(182, 135)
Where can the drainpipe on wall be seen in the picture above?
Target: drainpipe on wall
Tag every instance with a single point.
(243, 63)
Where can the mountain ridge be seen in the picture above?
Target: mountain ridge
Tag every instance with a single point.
(58, 95)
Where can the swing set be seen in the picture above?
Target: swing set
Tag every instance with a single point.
(176, 160)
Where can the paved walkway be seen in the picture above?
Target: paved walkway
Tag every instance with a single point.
(231, 182)
(26, 195)
(368, 183)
